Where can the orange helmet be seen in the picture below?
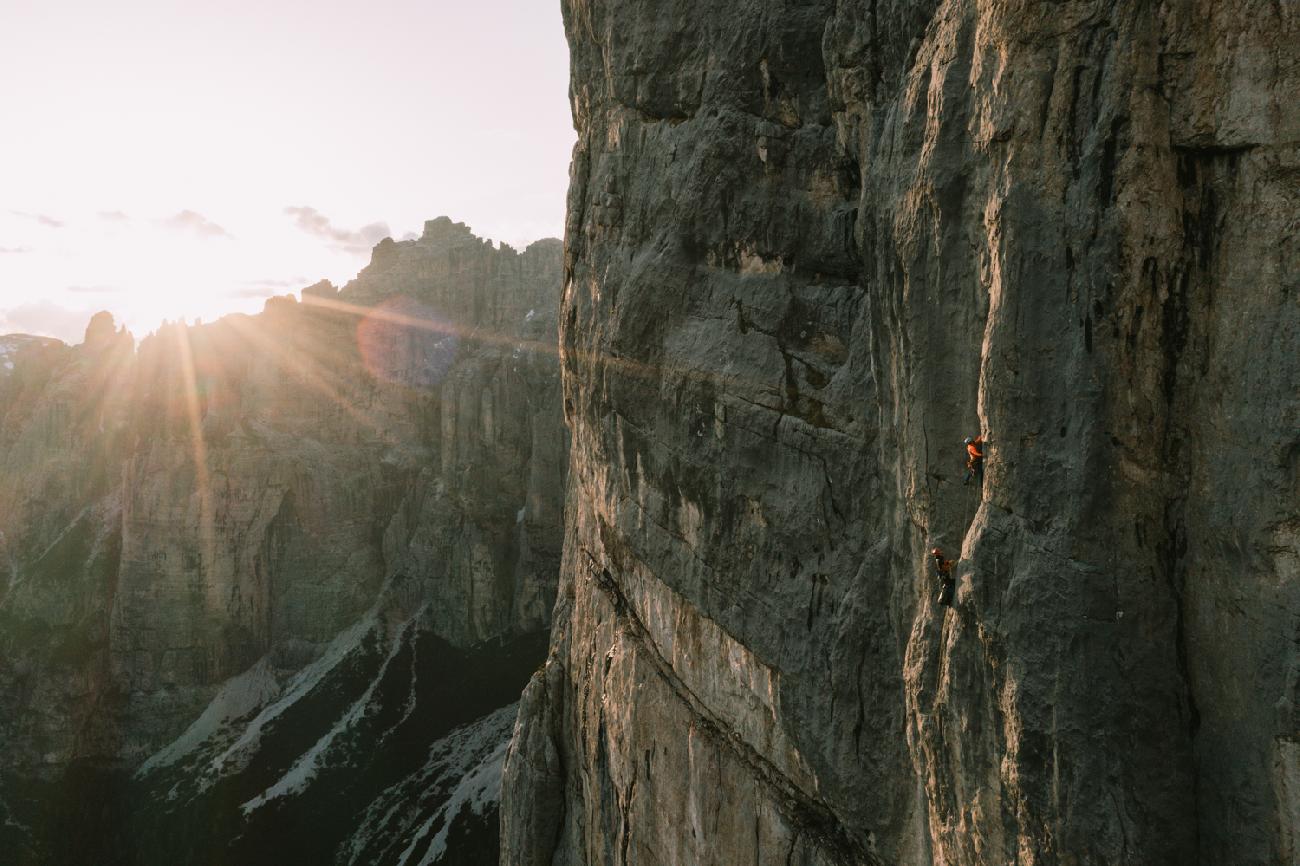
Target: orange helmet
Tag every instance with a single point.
(936, 552)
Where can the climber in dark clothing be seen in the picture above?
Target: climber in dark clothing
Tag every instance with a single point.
(947, 583)
(974, 459)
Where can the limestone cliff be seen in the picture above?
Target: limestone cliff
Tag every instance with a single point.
(810, 247)
(257, 577)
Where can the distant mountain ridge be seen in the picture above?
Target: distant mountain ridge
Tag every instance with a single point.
(257, 575)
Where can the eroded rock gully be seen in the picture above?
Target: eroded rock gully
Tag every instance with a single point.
(269, 587)
(810, 246)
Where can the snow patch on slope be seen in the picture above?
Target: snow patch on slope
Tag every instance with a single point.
(240, 696)
(12, 344)
(8, 348)
(304, 770)
(227, 737)
(462, 772)
(477, 790)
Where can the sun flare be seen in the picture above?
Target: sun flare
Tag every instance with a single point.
(212, 187)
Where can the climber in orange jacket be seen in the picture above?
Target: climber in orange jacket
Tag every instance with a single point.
(943, 569)
(974, 459)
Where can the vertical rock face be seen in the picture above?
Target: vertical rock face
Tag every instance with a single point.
(260, 576)
(810, 247)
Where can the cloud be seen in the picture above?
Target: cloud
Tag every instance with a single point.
(266, 287)
(292, 283)
(13, 251)
(43, 219)
(113, 216)
(188, 220)
(313, 222)
(46, 319)
(258, 292)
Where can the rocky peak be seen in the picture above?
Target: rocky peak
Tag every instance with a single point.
(101, 329)
(444, 230)
(384, 254)
(323, 289)
(462, 278)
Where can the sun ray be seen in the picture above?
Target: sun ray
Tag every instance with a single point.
(109, 385)
(436, 326)
(207, 525)
(625, 366)
(309, 371)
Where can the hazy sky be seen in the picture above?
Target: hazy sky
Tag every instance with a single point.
(181, 159)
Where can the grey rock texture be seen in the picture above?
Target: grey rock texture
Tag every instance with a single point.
(274, 549)
(810, 247)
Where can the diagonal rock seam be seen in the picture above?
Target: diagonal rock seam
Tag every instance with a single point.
(804, 809)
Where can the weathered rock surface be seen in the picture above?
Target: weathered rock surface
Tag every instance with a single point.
(258, 573)
(810, 247)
